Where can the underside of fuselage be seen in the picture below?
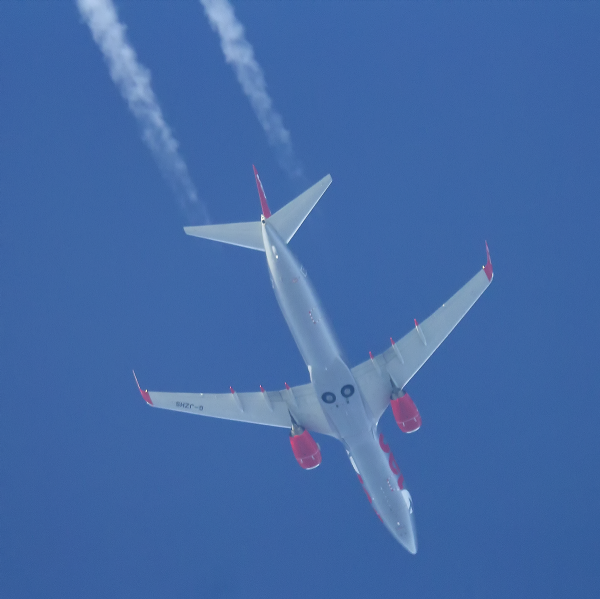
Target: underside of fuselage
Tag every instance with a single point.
(339, 395)
(383, 483)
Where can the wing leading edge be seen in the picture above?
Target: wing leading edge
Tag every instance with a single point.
(405, 357)
(271, 408)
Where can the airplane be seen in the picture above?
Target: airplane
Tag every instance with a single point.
(341, 401)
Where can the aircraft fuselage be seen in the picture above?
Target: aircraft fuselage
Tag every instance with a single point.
(339, 394)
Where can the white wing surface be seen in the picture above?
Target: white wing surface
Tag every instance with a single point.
(405, 357)
(263, 407)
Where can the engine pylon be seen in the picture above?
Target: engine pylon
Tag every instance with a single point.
(406, 414)
(306, 449)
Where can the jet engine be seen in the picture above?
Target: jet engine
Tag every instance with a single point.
(406, 414)
(305, 448)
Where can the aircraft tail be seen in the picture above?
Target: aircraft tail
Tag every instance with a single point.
(246, 235)
(286, 221)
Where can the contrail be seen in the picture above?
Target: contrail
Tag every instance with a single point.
(239, 53)
(133, 80)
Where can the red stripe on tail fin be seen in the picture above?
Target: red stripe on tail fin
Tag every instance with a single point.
(489, 271)
(261, 195)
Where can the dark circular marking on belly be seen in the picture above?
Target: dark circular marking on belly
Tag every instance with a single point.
(328, 397)
(347, 391)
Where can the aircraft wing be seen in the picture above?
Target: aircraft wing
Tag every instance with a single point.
(405, 357)
(262, 407)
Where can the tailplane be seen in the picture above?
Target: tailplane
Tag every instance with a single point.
(246, 235)
(286, 221)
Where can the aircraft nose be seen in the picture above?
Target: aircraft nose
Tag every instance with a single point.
(407, 536)
(406, 531)
(411, 544)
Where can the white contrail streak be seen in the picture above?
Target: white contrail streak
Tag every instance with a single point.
(133, 80)
(239, 53)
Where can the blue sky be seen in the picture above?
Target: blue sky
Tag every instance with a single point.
(442, 125)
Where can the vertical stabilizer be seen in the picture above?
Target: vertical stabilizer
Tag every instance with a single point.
(261, 195)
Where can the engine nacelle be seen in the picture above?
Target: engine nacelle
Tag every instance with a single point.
(306, 450)
(406, 414)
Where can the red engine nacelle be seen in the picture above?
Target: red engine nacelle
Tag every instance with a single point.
(406, 414)
(306, 451)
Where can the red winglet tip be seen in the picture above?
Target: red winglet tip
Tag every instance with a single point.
(488, 269)
(392, 340)
(287, 386)
(416, 323)
(145, 393)
(262, 388)
(370, 355)
(232, 391)
(261, 195)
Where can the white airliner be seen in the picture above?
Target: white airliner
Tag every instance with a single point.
(340, 401)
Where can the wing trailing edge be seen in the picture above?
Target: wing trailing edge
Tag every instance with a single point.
(272, 408)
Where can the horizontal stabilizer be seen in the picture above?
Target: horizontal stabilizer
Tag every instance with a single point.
(246, 235)
(285, 221)
(288, 220)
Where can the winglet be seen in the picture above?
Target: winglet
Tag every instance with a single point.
(145, 393)
(489, 271)
(261, 195)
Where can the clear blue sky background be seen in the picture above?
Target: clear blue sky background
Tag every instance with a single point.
(442, 124)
